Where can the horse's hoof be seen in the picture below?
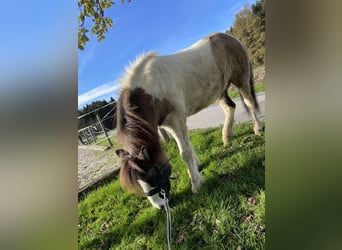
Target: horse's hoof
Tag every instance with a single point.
(258, 132)
(226, 140)
(196, 187)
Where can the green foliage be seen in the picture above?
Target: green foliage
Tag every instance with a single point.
(234, 92)
(249, 27)
(227, 213)
(94, 9)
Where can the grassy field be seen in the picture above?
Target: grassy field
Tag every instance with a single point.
(258, 87)
(228, 212)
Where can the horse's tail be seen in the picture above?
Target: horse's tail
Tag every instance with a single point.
(252, 91)
(251, 85)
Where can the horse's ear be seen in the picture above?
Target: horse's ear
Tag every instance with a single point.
(145, 154)
(122, 153)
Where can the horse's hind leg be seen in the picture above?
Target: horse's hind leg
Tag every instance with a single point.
(251, 104)
(228, 107)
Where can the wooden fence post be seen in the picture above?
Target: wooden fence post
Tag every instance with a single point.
(91, 133)
(85, 135)
(103, 129)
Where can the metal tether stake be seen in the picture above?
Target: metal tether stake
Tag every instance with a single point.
(167, 209)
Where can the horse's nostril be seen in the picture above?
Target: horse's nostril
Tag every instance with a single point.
(162, 207)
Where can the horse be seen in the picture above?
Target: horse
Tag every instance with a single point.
(162, 91)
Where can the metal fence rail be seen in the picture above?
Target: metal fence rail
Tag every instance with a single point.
(90, 135)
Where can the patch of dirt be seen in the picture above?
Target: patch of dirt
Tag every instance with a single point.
(91, 166)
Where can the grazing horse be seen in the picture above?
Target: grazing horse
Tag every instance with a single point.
(164, 91)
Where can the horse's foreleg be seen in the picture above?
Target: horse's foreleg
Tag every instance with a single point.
(187, 155)
(228, 107)
(177, 128)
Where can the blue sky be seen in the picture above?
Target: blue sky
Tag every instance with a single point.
(34, 37)
(142, 26)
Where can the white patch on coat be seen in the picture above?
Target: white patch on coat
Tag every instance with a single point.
(155, 200)
(190, 75)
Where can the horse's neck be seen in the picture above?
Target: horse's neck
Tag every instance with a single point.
(148, 116)
(150, 108)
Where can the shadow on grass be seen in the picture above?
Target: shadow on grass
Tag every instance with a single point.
(104, 181)
(229, 181)
(249, 179)
(142, 225)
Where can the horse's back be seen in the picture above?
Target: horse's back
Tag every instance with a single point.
(200, 73)
(190, 77)
(195, 77)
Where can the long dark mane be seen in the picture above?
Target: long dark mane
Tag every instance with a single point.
(132, 130)
(135, 133)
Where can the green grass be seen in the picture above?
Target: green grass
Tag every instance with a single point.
(228, 212)
(258, 87)
(102, 141)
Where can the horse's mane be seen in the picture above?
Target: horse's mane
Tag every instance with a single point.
(136, 67)
(134, 133)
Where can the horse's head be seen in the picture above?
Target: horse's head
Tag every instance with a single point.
(140, 172)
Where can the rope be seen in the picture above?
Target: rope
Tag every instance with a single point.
(168, 217)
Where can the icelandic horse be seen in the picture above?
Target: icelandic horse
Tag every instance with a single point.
(163, 91)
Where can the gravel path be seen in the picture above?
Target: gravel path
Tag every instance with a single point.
(91, 165)
(213, 115)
